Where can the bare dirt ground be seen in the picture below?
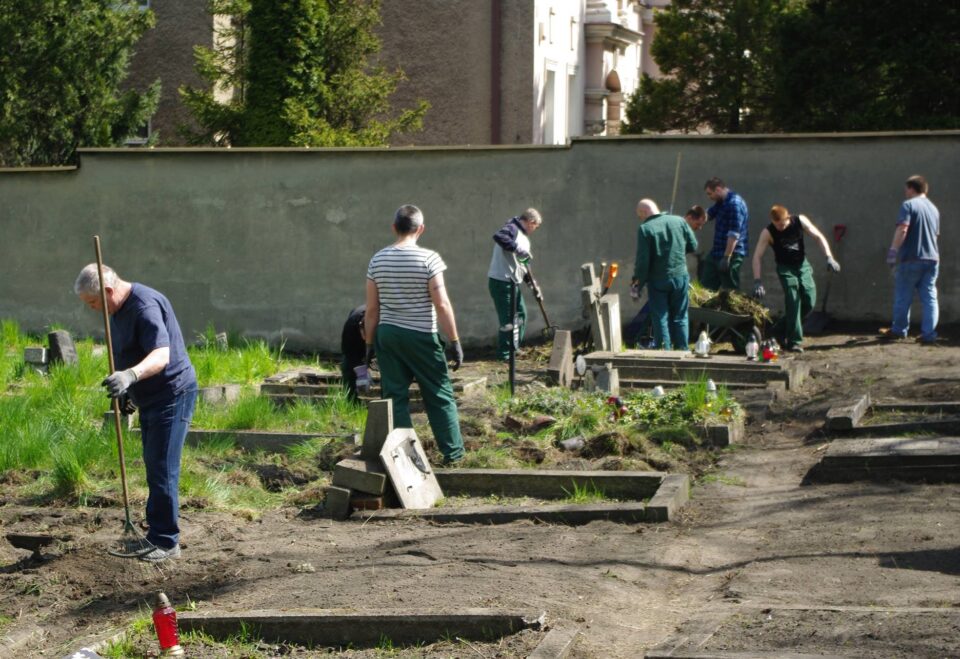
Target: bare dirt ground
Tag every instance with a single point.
(860, 570)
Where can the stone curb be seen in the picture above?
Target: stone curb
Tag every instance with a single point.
(570, 514)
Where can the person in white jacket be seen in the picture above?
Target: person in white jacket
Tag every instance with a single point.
(511, 254)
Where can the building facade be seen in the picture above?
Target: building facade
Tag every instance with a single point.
(493, 71)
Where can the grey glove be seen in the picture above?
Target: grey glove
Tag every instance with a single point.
(635, 290)
(758, 290)
(457, 356)
(118, 382)
(832, 265)
(724, 264)
(127, 408)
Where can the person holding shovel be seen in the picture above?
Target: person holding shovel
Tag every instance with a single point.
(785, 234)
(663, 241)
(508, 267)
(153, 373)
(406, 301)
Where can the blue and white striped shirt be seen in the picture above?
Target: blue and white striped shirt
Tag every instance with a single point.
(402, 276)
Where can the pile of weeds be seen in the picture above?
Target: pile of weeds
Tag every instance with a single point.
(729, 301)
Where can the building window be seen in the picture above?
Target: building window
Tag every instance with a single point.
(573, 34)
(550, 25)
(141, 137)
(549, 107)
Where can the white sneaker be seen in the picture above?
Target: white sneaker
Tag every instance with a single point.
(161, 554)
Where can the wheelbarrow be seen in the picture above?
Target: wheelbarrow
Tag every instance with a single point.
(722, 325)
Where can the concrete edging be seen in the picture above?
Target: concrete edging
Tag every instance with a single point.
(341, 628)
(548, 484)
(570, 514)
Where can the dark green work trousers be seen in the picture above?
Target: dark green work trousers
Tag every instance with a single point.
(713, 279)
(406, 355)
(799, 296)
(668, 312)
(500, 292)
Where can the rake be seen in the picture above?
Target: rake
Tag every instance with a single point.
(130, 533)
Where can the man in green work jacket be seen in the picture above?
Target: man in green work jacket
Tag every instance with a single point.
(663, 242)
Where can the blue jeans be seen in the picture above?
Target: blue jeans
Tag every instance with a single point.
(668, 312)
(922, 277)
(163, 428)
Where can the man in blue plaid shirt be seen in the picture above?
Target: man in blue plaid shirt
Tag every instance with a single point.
(721, 269)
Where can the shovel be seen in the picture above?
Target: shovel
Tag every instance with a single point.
(550, 330)
(816, 322)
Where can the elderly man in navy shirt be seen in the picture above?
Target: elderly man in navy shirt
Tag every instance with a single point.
(155, 374)
(729, 212)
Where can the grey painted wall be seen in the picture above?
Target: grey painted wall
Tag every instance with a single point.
(276, 242)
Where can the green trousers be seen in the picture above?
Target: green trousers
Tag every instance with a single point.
(799, 296)
(713, 279)
(669, 304)
(406, 355)
(500, 292)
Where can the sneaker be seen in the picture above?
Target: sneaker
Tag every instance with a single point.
(886, 334)
(796, 347)
(928, 342)
(161, 554)
(455, 462)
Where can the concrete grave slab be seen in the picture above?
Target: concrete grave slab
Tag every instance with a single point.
(556, 644)
(560, 368)
(336, 502)
(379, 426)
(846, 417)
(409, 470)
(342, 628)
(62, 348)
(884, 458)
(853, 420)
(567, 513)
(549, 484)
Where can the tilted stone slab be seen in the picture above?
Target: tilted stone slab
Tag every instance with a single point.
(846, 417)
(365, 476)
(343, 628)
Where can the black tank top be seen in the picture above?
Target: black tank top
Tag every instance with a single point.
(788, 244)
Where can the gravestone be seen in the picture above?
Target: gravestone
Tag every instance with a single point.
(560, 368)
(379, 425)
(62, 348)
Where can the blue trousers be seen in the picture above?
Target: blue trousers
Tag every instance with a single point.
(668, 312)
(163, 427)
(919, 276)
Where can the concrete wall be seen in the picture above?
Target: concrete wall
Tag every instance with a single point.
(276, 242)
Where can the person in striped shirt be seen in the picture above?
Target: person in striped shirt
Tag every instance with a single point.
(406, 301)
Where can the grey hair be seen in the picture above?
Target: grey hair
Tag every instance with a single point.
(531, 215)
(88, 281)
(407, 219)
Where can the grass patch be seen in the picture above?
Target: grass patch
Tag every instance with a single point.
(586, 493)
(723, 479)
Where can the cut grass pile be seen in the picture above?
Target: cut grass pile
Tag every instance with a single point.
(729, 301)
(54, 446)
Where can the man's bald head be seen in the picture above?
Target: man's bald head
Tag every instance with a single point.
(646, 208)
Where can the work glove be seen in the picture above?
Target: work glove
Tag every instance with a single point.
(118, 382)
(724, 264)
(524, 256)
(456, 355)
(832, 265)
(127, 408)
(635, 289)
(758, 290)
(892, 257)
(371, 355)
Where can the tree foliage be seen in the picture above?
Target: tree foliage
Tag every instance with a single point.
(814, 65)
(62, 64)
(715, 58)
(853, 65)
(296, 73)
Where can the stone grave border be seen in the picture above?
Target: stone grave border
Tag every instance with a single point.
(847, 420)
(666, 494)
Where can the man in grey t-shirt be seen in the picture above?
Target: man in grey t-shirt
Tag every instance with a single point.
(915, 255)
